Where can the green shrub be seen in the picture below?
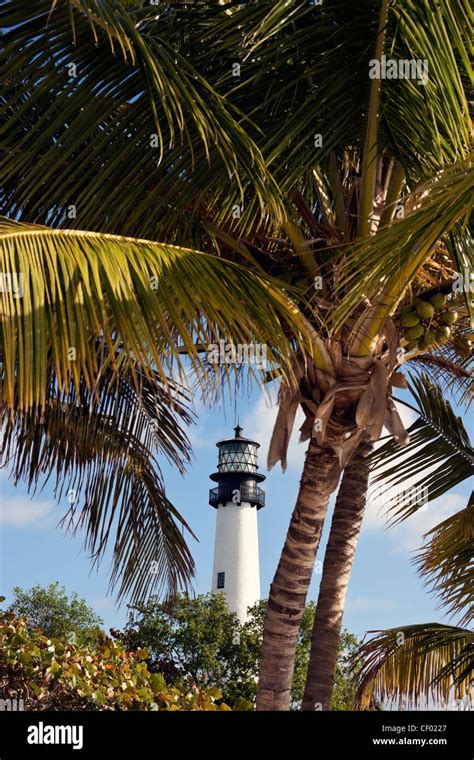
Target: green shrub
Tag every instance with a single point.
(52, 674)
(56, 613)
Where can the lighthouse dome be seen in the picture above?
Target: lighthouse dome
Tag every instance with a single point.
(237, 469)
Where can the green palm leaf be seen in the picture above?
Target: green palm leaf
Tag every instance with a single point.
(446, 562)
(157, 300)
(382, 267)
(305, 70)
(435, 115)
(100, 109)
(437, 439)
(446, 368)
(102, 448)
(415, 663)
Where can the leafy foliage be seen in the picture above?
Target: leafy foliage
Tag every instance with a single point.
(56, 614)
(439, 453)
(416, 663)
(429, 661)
(48, 673)
(447, 562)
(201, 638)
(345, 692)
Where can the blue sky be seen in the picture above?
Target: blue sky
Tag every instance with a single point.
(384, 590)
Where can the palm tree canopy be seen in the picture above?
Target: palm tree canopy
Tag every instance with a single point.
(89, 350)
(156, 299)
(446, 562)
(129, 125)
(416, 663)
(438, 455)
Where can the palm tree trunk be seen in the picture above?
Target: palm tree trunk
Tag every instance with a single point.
(290, 585)
(338, 560)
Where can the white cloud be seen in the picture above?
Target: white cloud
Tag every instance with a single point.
(21, 511)
(258, 424)
(408, 536)
(102, 604)
(363, 603)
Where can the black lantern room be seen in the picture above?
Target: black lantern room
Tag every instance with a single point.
(237, 475)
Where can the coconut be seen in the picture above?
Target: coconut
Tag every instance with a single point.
(443, 334)
(413, 333)
(465, 347)
(429, 337)
(411, 345)
(425, 310)
(449, 317)
(406, 309)
(410, 320)
(438, 301)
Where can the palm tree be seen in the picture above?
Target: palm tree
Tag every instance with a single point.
(386, 279)
(438, 443)
(417, 663)
(237, 171)
(96, 351)
(88, 356)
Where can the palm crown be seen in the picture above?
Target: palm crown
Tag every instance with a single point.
(252, 132)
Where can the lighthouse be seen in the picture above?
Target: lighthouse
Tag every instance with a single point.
(237, 499)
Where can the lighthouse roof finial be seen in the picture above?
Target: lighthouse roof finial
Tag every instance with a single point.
(238, 430)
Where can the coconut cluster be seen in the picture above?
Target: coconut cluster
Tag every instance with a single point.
(427, 322)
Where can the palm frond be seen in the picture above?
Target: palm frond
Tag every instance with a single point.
(156, 300)
(101, 109)
(304, 72)
(447, 562)
(101, 448)
(447, 369)
(438, 439)
(415, 664)
(382, 267)
(436, 114)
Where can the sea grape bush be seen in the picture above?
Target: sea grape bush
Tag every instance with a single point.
(52, 674)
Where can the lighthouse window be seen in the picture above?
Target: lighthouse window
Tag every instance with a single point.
(237, 457)
(220, 580)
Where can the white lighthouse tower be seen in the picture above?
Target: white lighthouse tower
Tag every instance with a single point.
(237, 497)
